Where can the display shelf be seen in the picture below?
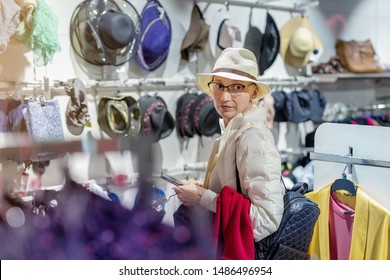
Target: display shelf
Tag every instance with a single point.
(332, 78)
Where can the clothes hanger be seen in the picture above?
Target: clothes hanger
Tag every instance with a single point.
(344, 184)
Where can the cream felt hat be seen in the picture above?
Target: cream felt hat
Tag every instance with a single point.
(237, 64)
(299, 42)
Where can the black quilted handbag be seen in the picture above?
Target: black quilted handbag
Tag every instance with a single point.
(292, 239)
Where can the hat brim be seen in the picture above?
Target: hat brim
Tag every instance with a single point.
(203, 80)
(286, 33)
(90, 47)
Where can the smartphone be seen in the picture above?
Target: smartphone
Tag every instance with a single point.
(170, 179)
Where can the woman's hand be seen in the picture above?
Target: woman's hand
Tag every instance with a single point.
(190, 192)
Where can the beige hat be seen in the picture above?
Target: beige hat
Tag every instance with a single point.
(299, 42)
(236, 64)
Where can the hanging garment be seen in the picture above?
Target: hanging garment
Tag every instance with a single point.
(370, 232)
(233, 227)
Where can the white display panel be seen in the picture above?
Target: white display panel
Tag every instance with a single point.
(370, 143)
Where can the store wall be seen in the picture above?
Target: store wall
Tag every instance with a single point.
(332, 19)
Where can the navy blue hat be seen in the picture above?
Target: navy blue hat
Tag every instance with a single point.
(156, 36)
(317, 105)
(298, 106)
(279, 105)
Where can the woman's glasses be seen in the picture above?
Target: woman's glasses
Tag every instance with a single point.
(234, 89)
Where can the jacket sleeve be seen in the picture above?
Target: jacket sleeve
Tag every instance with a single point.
(259, 167)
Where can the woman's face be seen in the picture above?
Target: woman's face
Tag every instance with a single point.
(229, 105)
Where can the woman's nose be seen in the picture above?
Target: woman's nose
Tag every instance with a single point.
(225, 95)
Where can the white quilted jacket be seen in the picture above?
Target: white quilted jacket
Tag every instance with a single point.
(249, 143)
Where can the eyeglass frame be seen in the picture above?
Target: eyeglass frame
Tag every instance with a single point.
(228, 90)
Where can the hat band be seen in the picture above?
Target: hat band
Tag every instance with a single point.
(234, 71)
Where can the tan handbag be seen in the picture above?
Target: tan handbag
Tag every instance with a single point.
(358, 56)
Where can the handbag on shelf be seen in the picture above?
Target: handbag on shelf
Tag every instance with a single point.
(358, 56)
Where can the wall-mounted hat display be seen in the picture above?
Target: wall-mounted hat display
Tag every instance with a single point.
(270, 44)
(299, 42)
(119, 116)
(156, 36)
(197, 35)
(156, 121)
(105, 32)
(223, 33)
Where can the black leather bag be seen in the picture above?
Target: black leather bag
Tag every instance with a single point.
(292, 239)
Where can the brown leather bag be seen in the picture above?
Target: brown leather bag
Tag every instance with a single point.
(358, 56)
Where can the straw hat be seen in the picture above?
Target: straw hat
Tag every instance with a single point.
(299, 42)
(236, 64)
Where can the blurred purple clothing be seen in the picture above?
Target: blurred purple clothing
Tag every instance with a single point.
(86, 226)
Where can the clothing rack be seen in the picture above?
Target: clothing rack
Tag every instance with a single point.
(367, 108)
(187, 169)
(290, 81)
(349, 160)
(297, 8)
(56, 87)
(23, 147)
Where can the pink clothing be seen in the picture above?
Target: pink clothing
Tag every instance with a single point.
(341, 219)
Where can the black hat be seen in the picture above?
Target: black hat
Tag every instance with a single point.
(196, 114)
(157, 121)
(205, 116)
(253, 39)
(105, 32)
(270, 44)
(184, 124)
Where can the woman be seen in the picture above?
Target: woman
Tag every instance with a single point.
(246, 147)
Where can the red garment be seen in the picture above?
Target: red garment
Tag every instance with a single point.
(232, 226)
